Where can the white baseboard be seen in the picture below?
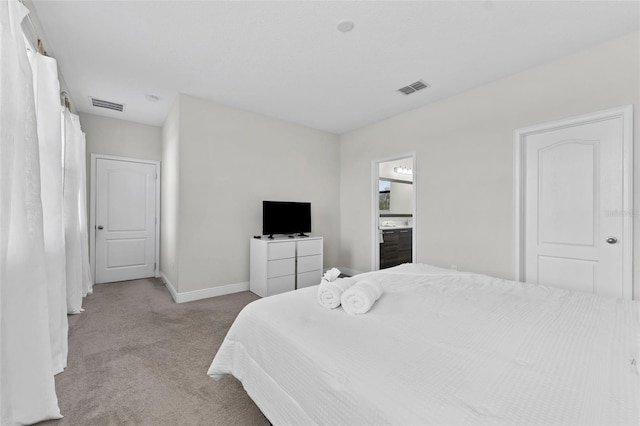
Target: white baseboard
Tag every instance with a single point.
(349, 271)
(170, 287)
(206, 293)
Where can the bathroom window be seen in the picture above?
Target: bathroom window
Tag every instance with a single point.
(384, 191)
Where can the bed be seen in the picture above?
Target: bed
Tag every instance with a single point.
(440, 347)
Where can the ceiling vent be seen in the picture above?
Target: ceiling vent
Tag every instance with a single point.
(99, 103)
(413, 87)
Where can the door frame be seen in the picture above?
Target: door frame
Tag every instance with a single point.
(375, 207)
(520, 135)
(92, 205)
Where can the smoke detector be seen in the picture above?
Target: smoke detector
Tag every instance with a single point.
(345, 26)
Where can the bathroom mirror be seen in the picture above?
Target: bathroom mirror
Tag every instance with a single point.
(395, 197)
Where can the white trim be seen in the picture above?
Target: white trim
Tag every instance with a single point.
(626, 113)
(92, 208)
(206, 293)
(518, 195)
(170, 287)
(349, 271)
(375, 213)
(627, 201)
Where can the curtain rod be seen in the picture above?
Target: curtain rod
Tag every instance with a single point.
(33, 34)
(67, 104)
(37, 43)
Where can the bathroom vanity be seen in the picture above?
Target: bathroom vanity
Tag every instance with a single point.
(395, 247)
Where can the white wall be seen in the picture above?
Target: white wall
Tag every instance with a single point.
(231, 160)
(120, 137)
(464, 148)
(170, 195)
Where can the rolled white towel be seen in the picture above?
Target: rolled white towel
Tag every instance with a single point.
(329, 292)
(360, 297)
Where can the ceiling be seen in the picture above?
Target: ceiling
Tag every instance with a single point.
(288, 60)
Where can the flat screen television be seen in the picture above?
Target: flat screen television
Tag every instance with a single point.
(286, 217)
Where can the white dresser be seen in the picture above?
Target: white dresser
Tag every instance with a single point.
(284, 264)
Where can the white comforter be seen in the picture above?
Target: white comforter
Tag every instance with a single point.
(440, 347)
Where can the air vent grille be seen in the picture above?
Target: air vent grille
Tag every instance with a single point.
(413, 87)
(406, 90)
(99, 103)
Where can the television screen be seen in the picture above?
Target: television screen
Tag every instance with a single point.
(285, 217)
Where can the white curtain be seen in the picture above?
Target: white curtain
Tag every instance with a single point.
(87, 280)
(48, 110)
(44, 255)
(79, 282)
(27, 389)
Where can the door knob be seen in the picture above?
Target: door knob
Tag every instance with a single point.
(612, 240)
(100, 227)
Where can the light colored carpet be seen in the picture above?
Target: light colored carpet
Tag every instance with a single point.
(136, 357)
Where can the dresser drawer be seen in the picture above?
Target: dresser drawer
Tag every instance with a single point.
(309, 263)
(281, 250)
(278, 268)
(309, 247)
(281, 284)
(307, 279)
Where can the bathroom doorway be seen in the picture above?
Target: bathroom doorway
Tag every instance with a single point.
(393, 211)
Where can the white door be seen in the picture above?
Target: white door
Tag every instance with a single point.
(125, 220)
(574, 199)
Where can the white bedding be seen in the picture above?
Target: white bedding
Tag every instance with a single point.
(440, 347)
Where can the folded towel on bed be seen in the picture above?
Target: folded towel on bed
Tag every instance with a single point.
(329, 292)
(360, 297)
(331, 275)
